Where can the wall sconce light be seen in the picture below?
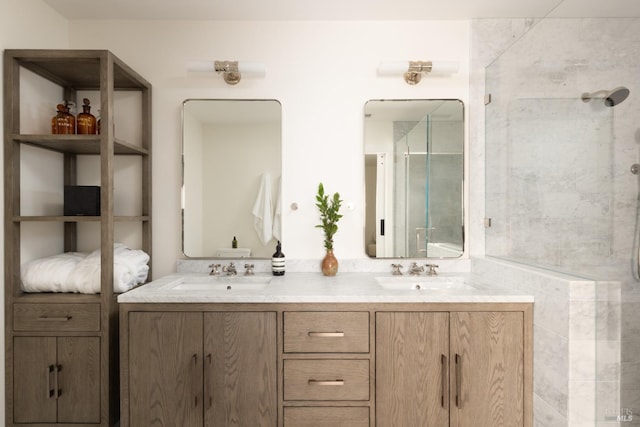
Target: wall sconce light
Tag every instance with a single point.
(231, 71)
(412, 70)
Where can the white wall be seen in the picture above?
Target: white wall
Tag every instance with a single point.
(25, 24)
(321, 72)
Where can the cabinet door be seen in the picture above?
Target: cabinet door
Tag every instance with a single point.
(34, 365)
(487, 369)
(79, 379)
(412, 351)
(240, 369)
(165, 369)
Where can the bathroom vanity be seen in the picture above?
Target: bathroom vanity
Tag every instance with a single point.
(303, 349)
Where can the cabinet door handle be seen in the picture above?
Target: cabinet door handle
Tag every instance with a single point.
(51, 371)
(58, 389)
(443, 383)
(327, 334)
(207, 377)
(194, 377)
(337, 382)
(55, 318)
(458, 381)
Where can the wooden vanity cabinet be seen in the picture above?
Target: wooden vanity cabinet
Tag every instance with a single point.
(451, 369)
(412, 374)
(327, 368)
(201, 369)
(59, 380)
(327, 365)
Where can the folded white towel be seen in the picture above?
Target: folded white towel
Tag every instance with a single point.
(49, 274)
(80, 273)
(129, 269)
(262, 211)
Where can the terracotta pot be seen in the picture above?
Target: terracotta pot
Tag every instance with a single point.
(329, 264)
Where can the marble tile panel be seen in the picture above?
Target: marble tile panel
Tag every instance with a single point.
(545, 415)
(551, 368)
(582, 400)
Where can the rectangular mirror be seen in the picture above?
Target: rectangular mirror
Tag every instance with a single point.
(231, 157)
(414, 178)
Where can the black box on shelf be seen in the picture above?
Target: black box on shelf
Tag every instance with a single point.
(81, 200)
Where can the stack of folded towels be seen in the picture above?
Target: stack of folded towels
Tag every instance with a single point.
(80, 273)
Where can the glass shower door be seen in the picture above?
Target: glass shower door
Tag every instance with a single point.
(411, 188)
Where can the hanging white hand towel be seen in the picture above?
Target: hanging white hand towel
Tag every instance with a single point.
(277, 216)
(262, 213)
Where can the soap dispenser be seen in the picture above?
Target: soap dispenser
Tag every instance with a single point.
(277, 261)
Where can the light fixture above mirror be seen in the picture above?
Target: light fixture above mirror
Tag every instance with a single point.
(232, 71)
(412, 70)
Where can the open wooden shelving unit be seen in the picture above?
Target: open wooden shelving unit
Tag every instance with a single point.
(62, 349)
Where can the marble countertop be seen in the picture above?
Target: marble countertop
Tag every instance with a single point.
(316, 288)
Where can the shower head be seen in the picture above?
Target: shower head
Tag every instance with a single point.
(611, 98)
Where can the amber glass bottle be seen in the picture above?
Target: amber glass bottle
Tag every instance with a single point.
(86, 120)
(63, 123)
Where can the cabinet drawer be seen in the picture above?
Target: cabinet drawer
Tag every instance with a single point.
(326, 380)
(326, 332)
(326, 417)
(56, 317)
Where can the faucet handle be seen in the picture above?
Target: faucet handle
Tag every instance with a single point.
(248, 269)
(432, 269)
(215, 270)
(396, 269)
(414, 270)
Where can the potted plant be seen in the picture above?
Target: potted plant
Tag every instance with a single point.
(329, 207)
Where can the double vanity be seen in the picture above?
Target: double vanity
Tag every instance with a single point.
(358, 349)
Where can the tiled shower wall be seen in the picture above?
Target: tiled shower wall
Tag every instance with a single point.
(575, 372)
(558, 182)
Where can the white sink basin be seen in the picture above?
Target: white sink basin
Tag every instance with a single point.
(423, 283)
(220, 283)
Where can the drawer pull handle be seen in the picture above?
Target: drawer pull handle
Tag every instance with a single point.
(326, 334)
(326, 382)
(55, 318)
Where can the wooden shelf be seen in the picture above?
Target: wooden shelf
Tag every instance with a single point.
(79, 218)
(79, 69)
(56, 298)
(78, 144)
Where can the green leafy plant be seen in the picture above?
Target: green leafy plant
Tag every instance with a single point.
(329, 207)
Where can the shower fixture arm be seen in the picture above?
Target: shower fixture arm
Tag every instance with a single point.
(610, 98)
(586, 97)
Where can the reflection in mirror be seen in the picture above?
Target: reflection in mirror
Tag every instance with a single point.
(231, 154)
(414, 170)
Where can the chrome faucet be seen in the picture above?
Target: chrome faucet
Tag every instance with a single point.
(230, 269)
(415, 270)
(215, 270)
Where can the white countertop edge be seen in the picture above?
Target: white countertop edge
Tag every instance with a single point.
(316, 288)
